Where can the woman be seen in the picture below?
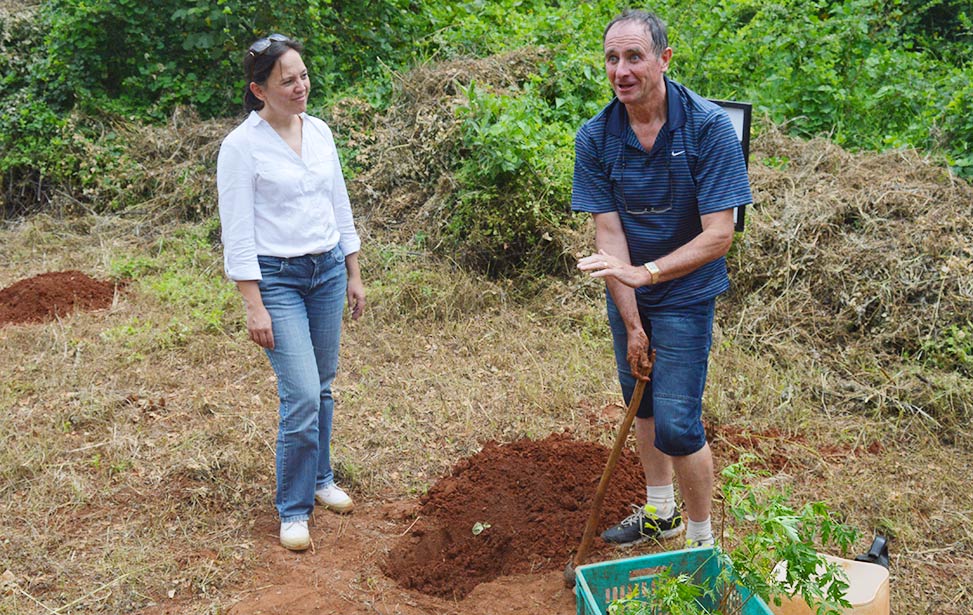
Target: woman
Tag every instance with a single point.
(291, 247)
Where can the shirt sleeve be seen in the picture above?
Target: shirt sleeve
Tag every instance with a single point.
(721, 171)
(344, 220)
(234, 180)
(592, 187)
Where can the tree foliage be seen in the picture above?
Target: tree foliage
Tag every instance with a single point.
(869, 73)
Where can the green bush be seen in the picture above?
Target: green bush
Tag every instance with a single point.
(867, 74)
(514, 183)
(146, 57)
(870, 74)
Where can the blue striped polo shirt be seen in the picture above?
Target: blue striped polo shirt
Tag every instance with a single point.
(695, 167)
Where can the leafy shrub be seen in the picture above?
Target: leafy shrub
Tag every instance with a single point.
(773, 533)
(836, 67)
(841, 68)
(146, 57)
(514, 182)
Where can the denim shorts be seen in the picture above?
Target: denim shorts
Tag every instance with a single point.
(681, 337)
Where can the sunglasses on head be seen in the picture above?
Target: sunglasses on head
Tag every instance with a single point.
(264, 44)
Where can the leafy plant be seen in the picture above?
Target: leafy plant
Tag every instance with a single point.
(514, 182)
(952, 349)
(673, 594)
(774, 557)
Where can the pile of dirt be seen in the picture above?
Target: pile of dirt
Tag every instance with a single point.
(52, 295)
(511, 509)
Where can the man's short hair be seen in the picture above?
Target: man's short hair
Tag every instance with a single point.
(653, 24)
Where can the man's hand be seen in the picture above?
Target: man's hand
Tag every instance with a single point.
(640, 357)
(603, 264)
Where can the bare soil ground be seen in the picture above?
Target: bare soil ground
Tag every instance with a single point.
(408, 550)
(421, 555)
(51, 295)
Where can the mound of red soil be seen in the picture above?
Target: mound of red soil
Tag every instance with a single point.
(49, 295)
(528, 502)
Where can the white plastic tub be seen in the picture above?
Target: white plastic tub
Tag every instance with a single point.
(868, 591)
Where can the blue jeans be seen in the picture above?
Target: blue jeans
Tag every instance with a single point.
(305, 297)
(681, 337)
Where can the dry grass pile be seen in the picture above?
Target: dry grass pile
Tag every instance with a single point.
(161, 173)
(178, 160)
(872, 250)
(860, 265)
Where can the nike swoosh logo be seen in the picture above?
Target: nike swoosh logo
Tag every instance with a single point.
(679, 153)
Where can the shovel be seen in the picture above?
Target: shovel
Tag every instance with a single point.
(595, 515)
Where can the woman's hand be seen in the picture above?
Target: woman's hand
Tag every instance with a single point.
(603, 264)
(356, 289)
(258, 318)
(356, 297)
(259, 326)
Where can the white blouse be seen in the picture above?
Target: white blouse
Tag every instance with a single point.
(275, 203)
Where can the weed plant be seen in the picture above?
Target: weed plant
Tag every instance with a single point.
(768, 547)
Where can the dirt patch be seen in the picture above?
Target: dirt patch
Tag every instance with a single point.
(415, 557)
(51, 295)
(518, 508)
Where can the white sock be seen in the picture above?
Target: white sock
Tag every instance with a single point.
(699, 530)
(663, 499)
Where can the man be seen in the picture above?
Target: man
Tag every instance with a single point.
(660, 169)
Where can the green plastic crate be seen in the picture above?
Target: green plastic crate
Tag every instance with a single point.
(597, 585)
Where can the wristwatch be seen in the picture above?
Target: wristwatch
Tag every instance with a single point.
(654, 272)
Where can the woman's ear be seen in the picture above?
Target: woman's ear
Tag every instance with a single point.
(256, 90)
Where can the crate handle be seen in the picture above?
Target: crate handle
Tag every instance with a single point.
(642, 573)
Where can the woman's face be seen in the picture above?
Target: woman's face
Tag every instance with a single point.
(286, 90)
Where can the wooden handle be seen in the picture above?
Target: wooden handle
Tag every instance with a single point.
(595, 515)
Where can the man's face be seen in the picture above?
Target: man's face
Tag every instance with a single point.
(634, 71)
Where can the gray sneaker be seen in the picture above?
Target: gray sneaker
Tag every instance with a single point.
(643, 525)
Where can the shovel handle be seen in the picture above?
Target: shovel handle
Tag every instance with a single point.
(595, 515)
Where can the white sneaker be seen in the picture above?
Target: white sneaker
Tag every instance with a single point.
(333, 498)
(294, 535)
